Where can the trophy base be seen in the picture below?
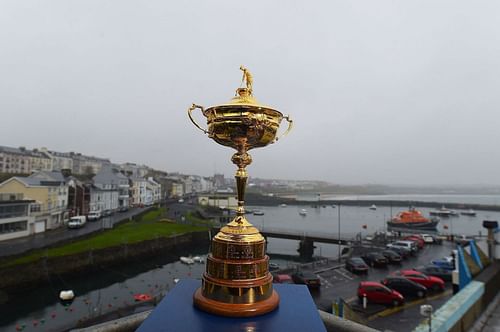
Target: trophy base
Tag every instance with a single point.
(235, 309)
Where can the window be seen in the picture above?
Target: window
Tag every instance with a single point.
(35, 208)
(12, 227)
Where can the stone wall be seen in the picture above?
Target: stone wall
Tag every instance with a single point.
(30, 275)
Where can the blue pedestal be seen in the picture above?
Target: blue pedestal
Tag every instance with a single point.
(176, 312)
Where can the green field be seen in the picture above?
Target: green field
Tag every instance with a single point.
(149, 226)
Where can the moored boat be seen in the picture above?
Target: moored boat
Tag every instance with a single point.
(258, 213)
(187, 260)
(303, 212)
(469, 212)
(413, 219)
(443, 212)
(373, 207)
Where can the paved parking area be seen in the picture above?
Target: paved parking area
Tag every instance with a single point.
(338, 282)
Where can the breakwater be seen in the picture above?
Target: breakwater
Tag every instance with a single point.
(260, 200)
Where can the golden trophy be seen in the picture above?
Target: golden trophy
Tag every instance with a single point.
(237, 281)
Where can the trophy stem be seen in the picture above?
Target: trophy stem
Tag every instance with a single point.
(241, 159)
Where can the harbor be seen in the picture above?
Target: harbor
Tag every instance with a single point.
(156, 276)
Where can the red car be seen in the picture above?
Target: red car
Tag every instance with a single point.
(419, 241)
(434, 283)
(377, 293)
(282, 279)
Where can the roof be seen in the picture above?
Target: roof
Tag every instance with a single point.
(106, 175)
(41, 178)
(23, 151)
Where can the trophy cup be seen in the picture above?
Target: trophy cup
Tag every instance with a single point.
(237, 282)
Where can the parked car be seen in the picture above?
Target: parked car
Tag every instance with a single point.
(273, 267)
(306, 278)
(107, 213)
(123, 209)
(405, 286)
(375, 292)
(403, 252)
(410, 245)
(392, 256)
(432, 270)
(431, 239)
(419, 241)
(282, 279)
(356, 264)
(434, 283)
(77, 222)
(462, 240)
(375, 259)
(94, 215)
(446, 263)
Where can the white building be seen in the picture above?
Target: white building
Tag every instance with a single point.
(153, 191)
(106, 190)
(220, 200)
(83, 164)
(59, 160)
(139, 191)
(15, 217)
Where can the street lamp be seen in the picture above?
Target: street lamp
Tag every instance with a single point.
(338, 212)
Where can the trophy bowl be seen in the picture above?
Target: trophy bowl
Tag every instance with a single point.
(237, 281)
(241, 122)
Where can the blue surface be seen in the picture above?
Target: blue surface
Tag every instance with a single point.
(296, 312)
(475, 254)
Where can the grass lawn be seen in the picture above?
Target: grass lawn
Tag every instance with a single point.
(148, 227)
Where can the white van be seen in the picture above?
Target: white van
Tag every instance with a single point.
(94, 215)
(77, 222)
(409, 245)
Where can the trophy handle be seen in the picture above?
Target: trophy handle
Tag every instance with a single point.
(290, 125)
(191, 109)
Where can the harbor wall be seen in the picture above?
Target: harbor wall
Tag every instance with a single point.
(28, 276)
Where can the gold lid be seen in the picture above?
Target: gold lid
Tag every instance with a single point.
(244, 96)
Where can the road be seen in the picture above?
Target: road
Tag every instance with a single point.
(50, 237)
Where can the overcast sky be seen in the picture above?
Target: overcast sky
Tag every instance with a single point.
(389, 92)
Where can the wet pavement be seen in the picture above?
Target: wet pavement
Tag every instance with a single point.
(337, 282)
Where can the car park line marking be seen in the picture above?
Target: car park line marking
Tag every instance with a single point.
(344, 274)
(324, 282)
(328, 269)
(394, 310)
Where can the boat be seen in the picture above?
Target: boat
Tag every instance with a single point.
(186, 260)
(469, 212)
(412, 219)
(303, 212)
(283, 205)
(443, 212)
(373, 207)
(258, 213)
(142, 297)
(198, 259)
(66, 295)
